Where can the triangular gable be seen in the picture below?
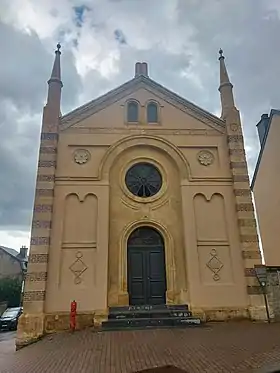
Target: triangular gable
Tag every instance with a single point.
(131, 86)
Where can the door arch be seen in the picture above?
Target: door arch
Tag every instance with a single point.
(146, 271)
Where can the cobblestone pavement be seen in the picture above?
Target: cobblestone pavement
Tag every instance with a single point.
(225, 347)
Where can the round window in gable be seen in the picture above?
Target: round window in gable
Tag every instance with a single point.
(143, 180)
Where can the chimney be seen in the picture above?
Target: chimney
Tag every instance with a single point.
(141, 68)
(23, 252)
(137, 68)
(144, 68)
(262, 126)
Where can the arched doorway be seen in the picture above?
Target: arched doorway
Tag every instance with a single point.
(146, 267)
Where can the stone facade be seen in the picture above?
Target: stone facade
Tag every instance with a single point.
(85, 214)
(13, 264)
(273, 292)
(10, 266)
(265, 183)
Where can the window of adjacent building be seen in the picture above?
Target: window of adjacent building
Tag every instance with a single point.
(152, 112)
(132, 111)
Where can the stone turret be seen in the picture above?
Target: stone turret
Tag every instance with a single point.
(250, 250)
(31, 323)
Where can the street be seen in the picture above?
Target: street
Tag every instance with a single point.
(7, 345)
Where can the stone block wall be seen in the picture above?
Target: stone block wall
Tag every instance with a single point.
(273, 292)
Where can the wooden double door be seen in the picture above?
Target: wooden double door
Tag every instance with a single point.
(146, 267)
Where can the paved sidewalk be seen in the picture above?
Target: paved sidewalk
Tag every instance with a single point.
(225, 347)
(7, 346)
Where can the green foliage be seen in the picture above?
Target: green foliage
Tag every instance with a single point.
(10, 291)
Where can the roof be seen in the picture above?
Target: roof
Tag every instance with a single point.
(130, 86)
(10, 251)
(16, 255)
(272, 113)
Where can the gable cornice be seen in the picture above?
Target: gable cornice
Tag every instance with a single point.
(185, 105)
(129, 87)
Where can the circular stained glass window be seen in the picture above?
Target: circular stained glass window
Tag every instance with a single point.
(143, 180)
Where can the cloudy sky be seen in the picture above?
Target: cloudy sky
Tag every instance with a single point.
(101, 40)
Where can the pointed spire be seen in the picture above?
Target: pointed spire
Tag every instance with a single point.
(224, 78)
(55, 85)
(56, 73)
(226, 88)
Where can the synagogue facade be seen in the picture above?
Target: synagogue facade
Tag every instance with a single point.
(142, 198)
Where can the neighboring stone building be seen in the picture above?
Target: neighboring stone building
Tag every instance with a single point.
(265, 183)
(141, 198)
(13, 264)
(273, 291)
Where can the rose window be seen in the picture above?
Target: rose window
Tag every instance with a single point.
(143, 180)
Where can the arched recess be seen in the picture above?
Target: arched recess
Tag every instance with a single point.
(160, 144)
(169, 258)
(210, 216)
(80, 219)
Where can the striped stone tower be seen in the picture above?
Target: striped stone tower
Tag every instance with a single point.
(31, 324)
(241, 187)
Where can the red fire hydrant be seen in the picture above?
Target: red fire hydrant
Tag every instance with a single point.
(73, 314)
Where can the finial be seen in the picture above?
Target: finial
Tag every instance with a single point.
(58, 48)
(221, 53)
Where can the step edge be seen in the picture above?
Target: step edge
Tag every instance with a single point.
(154, 319)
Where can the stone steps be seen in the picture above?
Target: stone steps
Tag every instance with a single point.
(148, 314)
(133, 317)
(146, 322)
(149, 308)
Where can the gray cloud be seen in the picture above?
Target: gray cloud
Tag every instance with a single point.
(20, 68)
(25, 68)
(17, 165)
(180, 44)
(249, 36)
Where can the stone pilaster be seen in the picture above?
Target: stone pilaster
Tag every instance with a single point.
(31, 324)
(32, 321)
(35, 286)
(245, 213)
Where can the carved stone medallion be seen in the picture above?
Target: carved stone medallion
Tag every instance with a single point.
(205, 157)
(234, 127)
(81, 156)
